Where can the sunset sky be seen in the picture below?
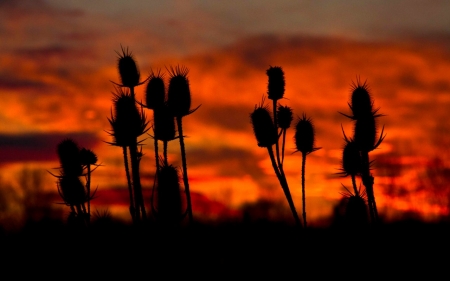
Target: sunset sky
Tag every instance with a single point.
(57, 59)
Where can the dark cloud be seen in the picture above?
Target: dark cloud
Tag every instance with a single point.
(38, 146)
(11, 82)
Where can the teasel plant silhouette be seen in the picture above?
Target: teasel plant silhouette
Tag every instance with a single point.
(268, 130)
(179, 105)
(304, 139)
(168, 209)
(365, 137)
(75, 163)
(356, 214)
(128, 123)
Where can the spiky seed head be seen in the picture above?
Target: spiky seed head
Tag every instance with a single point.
(365, 133)
(351, 159)
(304, 135)
(179, 94)
(284, 115)
(169, 194)
(155, 91)
(163, 123)
(128, 70)
(69, 157)
(263, 126)
(87, 157)
(356, 213)
(275, 88)
(361, 101)
(128, 122)
(72, 190)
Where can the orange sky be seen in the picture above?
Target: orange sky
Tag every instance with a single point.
(56, 91)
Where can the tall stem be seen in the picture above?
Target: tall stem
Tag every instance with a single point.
(130, 188)
(284, 186)
(275, 122)
(138, 197)
(303, 187)
(368, 180)
(166, 161)
(355, 188)
(283, 145)
(185, 174)
(88, 187)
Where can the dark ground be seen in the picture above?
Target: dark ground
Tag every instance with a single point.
(56, 251)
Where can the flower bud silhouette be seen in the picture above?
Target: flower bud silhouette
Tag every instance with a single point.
(263, 126)
(179, 94)
(87, 157)
(275, 88)
(71, 190)
(365, 133)
(361, 101)
(284, 117)
(69, 156)
(304, 135)
(163, 123)
(129, 73)
(127, 123)
(155, 91)
(351, 159)
(169, 194)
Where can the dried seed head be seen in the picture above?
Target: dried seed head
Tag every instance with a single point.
(263, 126)
(169, 194)
(361, 103)
(356, 213)
(275, 88)
(69, 157)
(179, 94)
(365, 133)
(284, 117)
(351, 159)
(128, 122)
(163, 123)
(155, 91)
(129, 73)
(71, 190)
(304, 135)
(87, 157)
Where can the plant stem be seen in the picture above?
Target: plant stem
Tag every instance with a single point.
(139, 199)
(284, 186)
(303, 188)
(355, 188)
(277, 145)
(368, 181)
(130, 189)
(166, 162)
(185, 175)
(282, 148)
(88, 187)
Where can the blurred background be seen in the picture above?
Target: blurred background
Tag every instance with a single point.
(57, 59)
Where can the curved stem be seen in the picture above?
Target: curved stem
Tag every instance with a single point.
(284, 186)
(283, 145)
(303, 187)
(185, 175)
